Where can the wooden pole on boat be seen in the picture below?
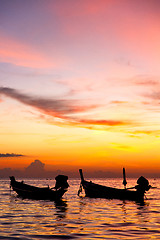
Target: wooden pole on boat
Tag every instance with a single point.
(81, 174)
(124, 178)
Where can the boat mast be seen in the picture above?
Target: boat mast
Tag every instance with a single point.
(124, 178)
(81, 174)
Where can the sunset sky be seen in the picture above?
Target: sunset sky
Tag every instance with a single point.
(80, 84)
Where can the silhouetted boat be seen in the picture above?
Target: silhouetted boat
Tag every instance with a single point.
(46, 193)
(93, 190)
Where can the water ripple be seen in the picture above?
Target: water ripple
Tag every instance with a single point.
(79, 218)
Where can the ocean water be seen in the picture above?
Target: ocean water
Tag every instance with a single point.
(79, 217)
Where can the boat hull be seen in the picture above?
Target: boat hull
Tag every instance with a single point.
(93, 190)
(31, 192)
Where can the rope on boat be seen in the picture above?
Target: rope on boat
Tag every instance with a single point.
(145, 197)
(80, 189)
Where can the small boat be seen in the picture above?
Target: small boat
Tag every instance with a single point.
(93, 190)
(41, 193)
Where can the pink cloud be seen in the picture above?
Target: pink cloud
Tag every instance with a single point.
(123, 27)
(15, 52)
(146, 81)
(82, 21)
(138, 31)
(79, 9)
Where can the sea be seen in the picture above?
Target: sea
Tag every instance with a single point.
(79, 217)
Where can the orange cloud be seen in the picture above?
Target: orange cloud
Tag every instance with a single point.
(118, 102)
(103, 122)
(147, 132)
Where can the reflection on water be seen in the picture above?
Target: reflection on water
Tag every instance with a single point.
(78, 217)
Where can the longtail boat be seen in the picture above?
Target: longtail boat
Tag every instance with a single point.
(93, 190)
(41, 193)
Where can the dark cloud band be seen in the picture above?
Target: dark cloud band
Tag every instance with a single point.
(7, 155)
(62, 109)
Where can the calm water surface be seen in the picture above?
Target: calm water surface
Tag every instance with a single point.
(78, 217)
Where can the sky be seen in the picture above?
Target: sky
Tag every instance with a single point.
(80, 85)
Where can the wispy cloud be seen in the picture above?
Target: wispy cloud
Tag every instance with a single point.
(64, 110)
(18, 53)
(121, 146)
(118, 102)
(50, 106)
(103, 122)
(155, 95)
(147, 132)
(54, 107)
(8, 155)
(147, 82)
